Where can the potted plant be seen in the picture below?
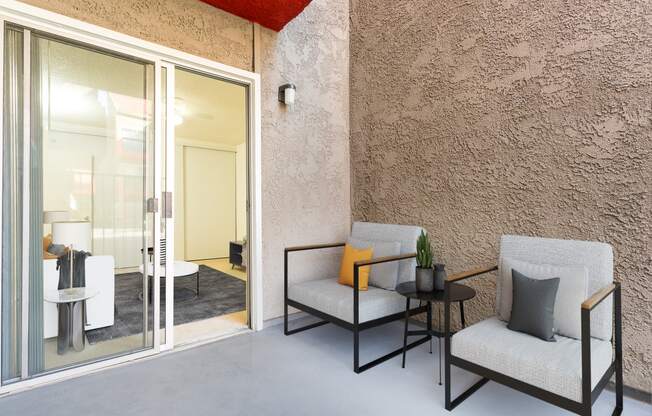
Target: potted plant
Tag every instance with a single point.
(424, 273)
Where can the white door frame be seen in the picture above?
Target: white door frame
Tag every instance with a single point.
(161, 56)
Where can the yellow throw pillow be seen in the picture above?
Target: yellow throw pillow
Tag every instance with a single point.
(351, 255)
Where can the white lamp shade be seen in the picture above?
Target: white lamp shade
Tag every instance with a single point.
(77, 233)
(55, 216)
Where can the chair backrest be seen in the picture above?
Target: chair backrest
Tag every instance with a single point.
(596, 257)
(405, 234)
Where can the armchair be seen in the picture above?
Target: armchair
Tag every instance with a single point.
(351, 308)
(570, 373)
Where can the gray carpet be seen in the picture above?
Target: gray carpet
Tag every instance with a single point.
(219, 294)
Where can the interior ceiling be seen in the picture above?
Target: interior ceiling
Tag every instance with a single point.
(82, 82)
(273, 14)
(213, 110)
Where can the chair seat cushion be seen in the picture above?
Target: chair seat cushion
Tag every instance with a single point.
(552, 366)
(334, 299)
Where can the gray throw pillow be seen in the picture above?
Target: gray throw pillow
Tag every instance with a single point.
(533, 306)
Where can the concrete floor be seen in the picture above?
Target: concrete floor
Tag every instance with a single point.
(267, 373)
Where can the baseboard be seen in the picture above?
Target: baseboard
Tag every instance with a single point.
(632, 393)
(279, 321)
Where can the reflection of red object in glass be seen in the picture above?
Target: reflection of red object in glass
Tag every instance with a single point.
(273, 14)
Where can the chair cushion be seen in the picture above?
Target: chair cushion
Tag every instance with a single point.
(406, 235)
(553, 366)
(596, 257)
(352, 255)
(573, 283)
(383, 275)
(332, 298)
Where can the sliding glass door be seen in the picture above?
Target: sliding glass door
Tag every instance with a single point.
(80, 221)
(112, 150)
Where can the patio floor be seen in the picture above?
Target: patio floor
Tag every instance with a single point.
(266, 373)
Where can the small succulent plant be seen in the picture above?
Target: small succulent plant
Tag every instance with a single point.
(424, 251)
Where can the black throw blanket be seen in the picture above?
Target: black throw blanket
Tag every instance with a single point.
(79, 266)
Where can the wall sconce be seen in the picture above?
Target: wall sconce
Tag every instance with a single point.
(287, 93)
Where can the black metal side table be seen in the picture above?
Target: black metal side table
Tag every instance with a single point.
(458, 293)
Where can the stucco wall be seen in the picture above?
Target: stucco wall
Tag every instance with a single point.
(476, 119)
(187, 25)
(305, 152)
(306, 167)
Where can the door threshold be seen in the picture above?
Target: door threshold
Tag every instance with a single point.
(199, 341)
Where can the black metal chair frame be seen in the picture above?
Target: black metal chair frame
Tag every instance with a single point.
(589, 396)
(356, 327)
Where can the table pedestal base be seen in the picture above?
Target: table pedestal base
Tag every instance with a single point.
(71, 327)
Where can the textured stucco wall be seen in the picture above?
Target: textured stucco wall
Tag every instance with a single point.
(187, 25)
(476, 119)
(305, 152)
(306, 167)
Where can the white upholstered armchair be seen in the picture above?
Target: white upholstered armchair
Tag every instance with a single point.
(349, 307)
(569, 373)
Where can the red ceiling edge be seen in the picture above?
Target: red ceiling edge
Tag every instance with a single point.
(273, 14)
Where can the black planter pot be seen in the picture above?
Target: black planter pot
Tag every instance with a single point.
(440, 276)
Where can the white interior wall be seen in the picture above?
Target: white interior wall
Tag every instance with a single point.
(180, 202)
(210, 199)
(97, 184)
(92, 109)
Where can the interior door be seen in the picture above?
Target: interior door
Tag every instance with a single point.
(210, 204)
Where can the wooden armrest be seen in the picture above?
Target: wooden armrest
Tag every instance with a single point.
(470, 273)
(384, 259)
(313, 247)
(598, 297)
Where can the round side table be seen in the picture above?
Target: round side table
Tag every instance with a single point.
(181, 269)
(458, 293)
(71, 304)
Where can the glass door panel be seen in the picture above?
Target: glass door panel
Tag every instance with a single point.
(211, 218)
(93, 112)
(77, 201)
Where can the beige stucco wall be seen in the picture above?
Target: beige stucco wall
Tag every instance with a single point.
(476, 119)
(306, 167)
(305, 152)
